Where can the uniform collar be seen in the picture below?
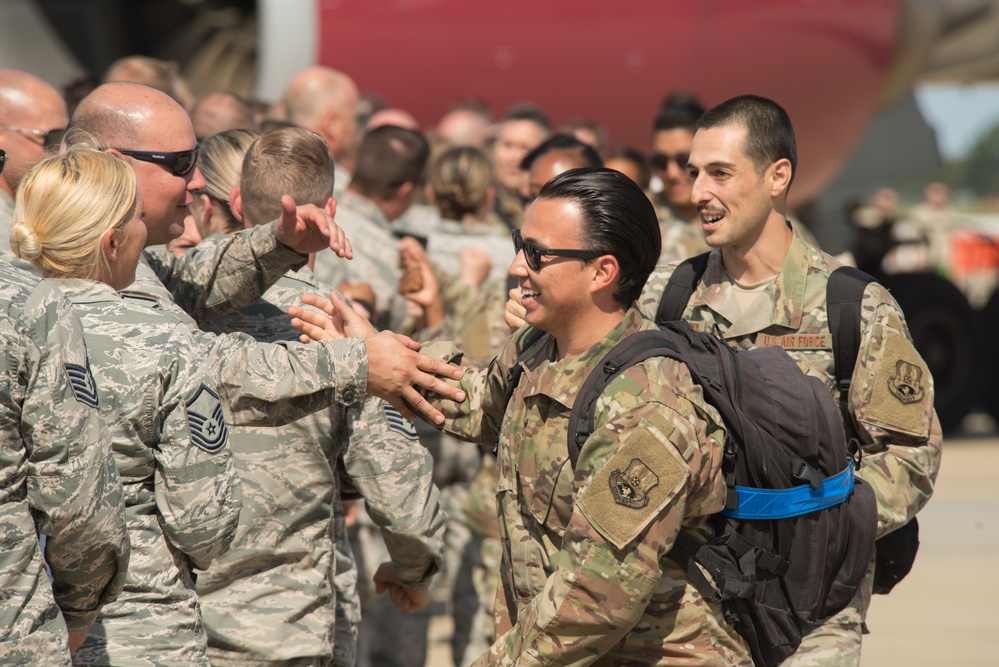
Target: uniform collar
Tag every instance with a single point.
(358, 205)
(786, 294)
(80, 290)
(561, 379)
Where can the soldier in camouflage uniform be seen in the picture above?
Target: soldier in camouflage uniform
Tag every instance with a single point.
(233, 272)
(584, 576)
(389, 174)
(57, 478)
(766, 285)
(77, 220)
(261, 605)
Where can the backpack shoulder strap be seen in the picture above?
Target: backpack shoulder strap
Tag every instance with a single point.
(680, 288)
(632, 350)
(844, 293)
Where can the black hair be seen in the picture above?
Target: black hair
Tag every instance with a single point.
(531, 112)
(680, 111)
(617, 218)
(567, 144)
(637, 158)
(388, 157)
(769, 133)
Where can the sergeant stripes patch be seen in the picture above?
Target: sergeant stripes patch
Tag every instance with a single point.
(206, 421)
(82, 382)
(399, 423)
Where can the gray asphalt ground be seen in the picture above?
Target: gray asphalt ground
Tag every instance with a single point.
(946, 612)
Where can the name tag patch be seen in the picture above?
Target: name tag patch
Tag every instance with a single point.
(204, 417)
(796, 341)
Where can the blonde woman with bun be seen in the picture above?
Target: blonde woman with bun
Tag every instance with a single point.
(78, 220)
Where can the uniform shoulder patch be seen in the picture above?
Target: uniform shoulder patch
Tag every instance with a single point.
(205, 419)
(635, 484)
(81, 379)
(897, 397)
(905, 384)
(399, 423)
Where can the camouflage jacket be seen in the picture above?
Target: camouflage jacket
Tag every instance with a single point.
(182, 493)
(263, 383)
(901, 437)
(584, 574)
(376, 260)
(57, 478)
(273, 596)
(444, 246)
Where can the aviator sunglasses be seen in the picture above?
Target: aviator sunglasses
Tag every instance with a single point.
(533, 252)
(179, 162)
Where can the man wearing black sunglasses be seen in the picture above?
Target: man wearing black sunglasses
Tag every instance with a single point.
(32, 116)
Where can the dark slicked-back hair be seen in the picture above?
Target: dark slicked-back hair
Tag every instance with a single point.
(769, 133)
(617, 218)
(564, 143)
(288, 161)
(388, 157)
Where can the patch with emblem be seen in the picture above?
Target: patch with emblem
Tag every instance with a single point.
(204, 416)
(399, 423)
(81, 379)
(631, 486)
(904, 384)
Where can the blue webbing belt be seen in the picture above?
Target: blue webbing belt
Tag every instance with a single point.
(785, 503)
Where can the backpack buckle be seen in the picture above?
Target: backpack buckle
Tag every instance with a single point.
(807, 473)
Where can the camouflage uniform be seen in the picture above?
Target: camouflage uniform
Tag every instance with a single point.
(376, 260)
(584, 578)
(223, 274)
(182, 494)
(681, 240)
(272, 598)
(6, 222)
(900, 433)
(57, 478)
(444, 246)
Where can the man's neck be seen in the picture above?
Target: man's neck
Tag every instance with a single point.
(385, 207)
(587, 331)
(761, 258)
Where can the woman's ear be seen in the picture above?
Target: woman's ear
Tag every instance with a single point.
(109, 245)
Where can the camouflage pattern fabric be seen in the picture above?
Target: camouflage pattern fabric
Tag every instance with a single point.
(182, 493)
(584, 578)
(273, 598)
(376, 260)
(57, 478)
(445, 243)
(890, 401)
(6, 222)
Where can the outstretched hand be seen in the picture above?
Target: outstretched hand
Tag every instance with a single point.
(395, 366)
(309, 228)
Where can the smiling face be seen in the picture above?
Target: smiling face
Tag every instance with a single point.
(556, 295)
(516, 139)
(733, 197)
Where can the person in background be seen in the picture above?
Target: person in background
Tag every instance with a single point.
(522, 129)
(220, 111)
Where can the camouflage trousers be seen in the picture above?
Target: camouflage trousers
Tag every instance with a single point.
(836, 641)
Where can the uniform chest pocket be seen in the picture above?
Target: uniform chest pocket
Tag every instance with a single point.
(543, 472)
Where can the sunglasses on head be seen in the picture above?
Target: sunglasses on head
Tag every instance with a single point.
(533, 252)
(51, 140)
(179, 162)
(661, 160)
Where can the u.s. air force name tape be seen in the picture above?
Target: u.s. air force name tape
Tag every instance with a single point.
(204, 416)
(82, 381)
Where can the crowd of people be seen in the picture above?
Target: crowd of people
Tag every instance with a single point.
(278, 385)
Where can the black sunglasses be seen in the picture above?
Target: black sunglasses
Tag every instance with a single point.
(3, 159)
(661, 160)
(51, 140)
(180, 162)
(533, 252)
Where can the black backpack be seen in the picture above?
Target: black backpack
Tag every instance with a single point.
(896, 552)
(797, 535)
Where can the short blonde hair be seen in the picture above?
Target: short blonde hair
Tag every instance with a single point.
(65, 205)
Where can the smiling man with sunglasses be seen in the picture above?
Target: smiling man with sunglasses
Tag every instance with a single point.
(32, 116)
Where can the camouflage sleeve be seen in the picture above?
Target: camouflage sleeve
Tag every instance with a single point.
(631, 489)
(197, 490)
(73, 483)
(891, 401)
(391, 469)
(479, 418)
(224, 273)
(272, 384)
